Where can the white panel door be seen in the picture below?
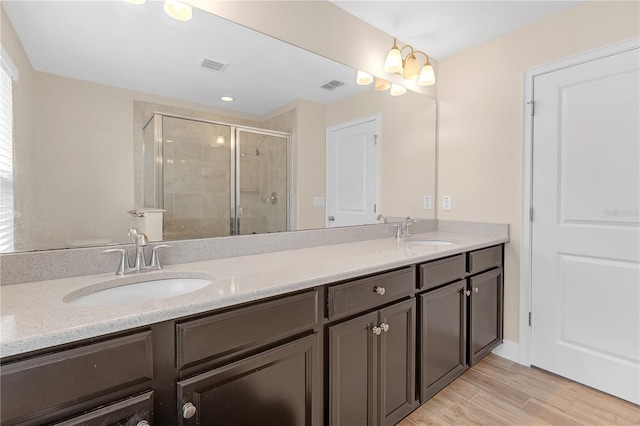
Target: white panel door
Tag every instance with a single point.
(352, 174)
(585, 233)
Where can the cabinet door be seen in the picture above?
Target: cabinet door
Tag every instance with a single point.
(397, 362)
(443, 343)
(485, 314)
(278, 387)
(353, 353)
(130, 412)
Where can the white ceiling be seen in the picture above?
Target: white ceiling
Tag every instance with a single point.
(444, 28)
(139, 47)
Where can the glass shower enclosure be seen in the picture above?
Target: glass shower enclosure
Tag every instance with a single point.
(215, 179)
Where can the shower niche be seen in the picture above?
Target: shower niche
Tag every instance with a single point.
(215, 179)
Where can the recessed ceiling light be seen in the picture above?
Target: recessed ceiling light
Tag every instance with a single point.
(227, 98)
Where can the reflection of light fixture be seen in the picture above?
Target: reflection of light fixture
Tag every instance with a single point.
(363, 78)
(178, 10)
(226, 98)
(397, 90)
(408, 66)
(220, 139)
(137, 1)
(382, 84)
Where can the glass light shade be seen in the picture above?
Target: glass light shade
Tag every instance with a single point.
(427, 76)
(382, 84)
(411, 68)
(394, 60)
(178, 10)
(397, 90)
(363, 78)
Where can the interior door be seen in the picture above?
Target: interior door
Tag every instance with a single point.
(585, 232)
(352, 174)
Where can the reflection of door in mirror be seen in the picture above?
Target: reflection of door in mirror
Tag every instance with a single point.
(188, 171)
(352, 173)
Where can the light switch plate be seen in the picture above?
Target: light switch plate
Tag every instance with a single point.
(426, 202)
(318, 201)
(446, 202)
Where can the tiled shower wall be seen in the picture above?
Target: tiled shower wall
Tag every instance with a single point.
(197, 159)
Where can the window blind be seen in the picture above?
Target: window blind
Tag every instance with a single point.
(6, 159)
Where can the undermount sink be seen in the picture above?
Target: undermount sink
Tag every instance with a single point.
(142, 291)
(428, 242)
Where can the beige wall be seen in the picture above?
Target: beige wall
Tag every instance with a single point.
(480, 118)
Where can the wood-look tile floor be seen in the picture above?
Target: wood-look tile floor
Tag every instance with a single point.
(499, 392)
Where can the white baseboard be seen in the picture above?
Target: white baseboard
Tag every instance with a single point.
(508, 350)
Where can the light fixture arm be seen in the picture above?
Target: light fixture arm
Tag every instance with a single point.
(420, 51)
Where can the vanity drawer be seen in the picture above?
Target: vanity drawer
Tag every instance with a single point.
(253, 326)
(443, 271)
(481, 260)
(359, 295)
(48, 382)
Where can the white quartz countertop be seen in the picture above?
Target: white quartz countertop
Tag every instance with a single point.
(35, 316)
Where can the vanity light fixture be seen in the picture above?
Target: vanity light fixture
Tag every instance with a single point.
(363, 78)
(382, 84)
(178, 10)
(397, 90)
(408, 65)
(226, 98)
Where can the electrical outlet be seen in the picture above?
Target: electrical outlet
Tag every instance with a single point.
(426, 202)
(446, 202)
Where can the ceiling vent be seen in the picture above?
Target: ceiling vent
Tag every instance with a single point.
(213, 64)
(333, 84)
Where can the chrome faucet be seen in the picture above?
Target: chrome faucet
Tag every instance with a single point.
(141, 241)
(405, 230)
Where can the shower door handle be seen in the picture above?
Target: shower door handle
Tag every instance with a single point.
(331, 218)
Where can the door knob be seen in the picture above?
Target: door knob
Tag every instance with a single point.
(331, 218)
(380, 290)
(376, 330)
(188, 410)
(384, 326)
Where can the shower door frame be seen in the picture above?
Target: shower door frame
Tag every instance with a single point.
(234, 182)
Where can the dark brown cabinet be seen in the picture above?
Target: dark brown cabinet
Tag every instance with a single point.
(372, 367)
(485, 313)
(134, 411)
(460, 315)
(280, 386)
(443, 337)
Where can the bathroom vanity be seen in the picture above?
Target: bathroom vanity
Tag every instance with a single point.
(357, 333)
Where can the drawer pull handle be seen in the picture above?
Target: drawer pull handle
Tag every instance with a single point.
(143, 423)
(475, 289)
(376, 330)
(379, 290)
(384, 326)
(188, 410)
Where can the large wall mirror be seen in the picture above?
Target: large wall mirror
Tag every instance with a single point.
(117, 107)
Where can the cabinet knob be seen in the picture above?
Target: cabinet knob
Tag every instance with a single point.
(379, 290)
(384, 326)
(143, 423)
(475, 289)
(188, 410)
(465, 292)
(376, 330)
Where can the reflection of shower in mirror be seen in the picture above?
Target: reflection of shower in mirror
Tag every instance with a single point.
(264, 175)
